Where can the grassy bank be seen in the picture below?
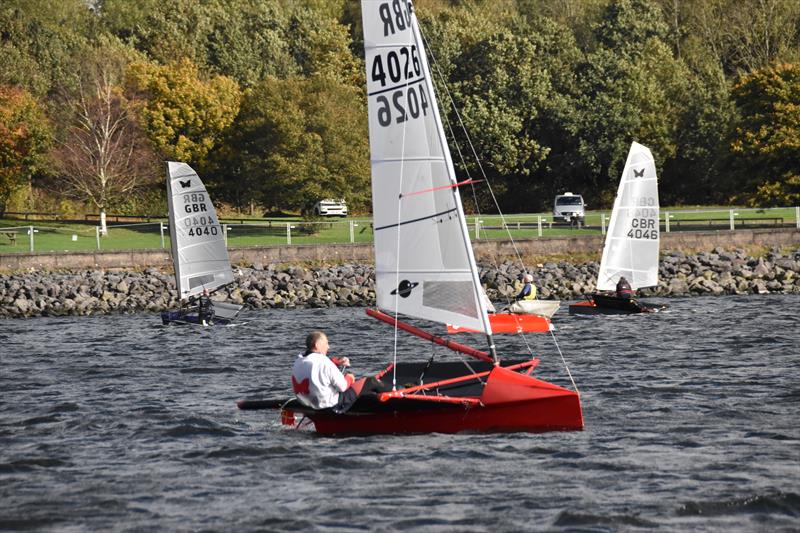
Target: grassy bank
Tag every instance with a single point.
(54, 236)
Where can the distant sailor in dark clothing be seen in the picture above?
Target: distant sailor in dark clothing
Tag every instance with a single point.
(624, 288)
(205, 308)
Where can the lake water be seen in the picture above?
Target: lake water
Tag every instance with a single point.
(115, 423)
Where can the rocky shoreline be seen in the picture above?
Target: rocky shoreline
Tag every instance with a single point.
(99, 292)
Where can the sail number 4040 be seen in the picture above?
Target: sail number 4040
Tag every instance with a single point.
(200, 231)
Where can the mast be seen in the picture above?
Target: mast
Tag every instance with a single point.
(453, 181)
(173, 239)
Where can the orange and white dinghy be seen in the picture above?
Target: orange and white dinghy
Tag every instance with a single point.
(511, 323)
(425, 268)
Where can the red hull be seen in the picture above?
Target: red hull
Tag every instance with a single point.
(510, 402)
(511, 323)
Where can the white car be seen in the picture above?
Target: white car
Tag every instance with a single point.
(331, 208)
(569, 208)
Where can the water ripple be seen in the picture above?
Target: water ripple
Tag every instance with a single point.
(125, 425)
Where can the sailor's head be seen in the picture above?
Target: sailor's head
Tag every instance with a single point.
(205, 292)
(317, 341)
(622, 279)
(527, 278)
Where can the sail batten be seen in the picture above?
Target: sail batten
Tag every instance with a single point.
(420, 219)
(410, 159)
(199, 253)
(632, 240)
(423, 256)
(403, 86)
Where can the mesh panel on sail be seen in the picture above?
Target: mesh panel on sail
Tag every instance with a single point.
(197, 281)
(454, 296)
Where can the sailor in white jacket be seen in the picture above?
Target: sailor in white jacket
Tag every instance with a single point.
(316, 380)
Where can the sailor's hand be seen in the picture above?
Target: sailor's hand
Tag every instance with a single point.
(341, 361)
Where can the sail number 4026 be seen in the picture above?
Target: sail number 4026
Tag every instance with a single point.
(401, 64)
(402, 104)
(408, 100)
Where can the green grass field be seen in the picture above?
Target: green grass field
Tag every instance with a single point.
(69, 237)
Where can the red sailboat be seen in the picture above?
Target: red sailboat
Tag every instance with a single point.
(425, 268)
(446, 397)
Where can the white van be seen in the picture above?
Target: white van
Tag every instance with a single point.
(569, 208)
(330, 208)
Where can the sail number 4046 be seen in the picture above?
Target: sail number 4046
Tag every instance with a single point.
(643, 228)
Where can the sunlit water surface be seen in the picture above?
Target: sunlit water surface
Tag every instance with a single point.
(116, 423)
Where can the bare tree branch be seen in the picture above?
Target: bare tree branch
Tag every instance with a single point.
(103, 156)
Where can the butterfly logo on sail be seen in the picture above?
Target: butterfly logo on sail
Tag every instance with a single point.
(185, 184)
(638, 173)
(405, 288)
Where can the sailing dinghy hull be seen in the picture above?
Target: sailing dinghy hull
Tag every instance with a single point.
(499, 399)
(545, 308)
(601, 304)
(511, 323)
(224, 314)
(179, 317)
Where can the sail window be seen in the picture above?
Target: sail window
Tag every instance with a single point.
(454, 296)
(199, 281)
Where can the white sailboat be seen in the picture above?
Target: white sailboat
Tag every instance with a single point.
(632, 242)
(199, 252)
(425, 266)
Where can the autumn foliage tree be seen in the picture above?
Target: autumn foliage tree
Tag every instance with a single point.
(298, 141)
(551, 92)
(766, 143)
(184, 114)
(102, 156)
(24, 139)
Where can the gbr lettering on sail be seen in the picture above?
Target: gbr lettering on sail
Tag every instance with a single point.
(197, 224)
(396, 77)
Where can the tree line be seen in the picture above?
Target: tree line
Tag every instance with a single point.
(266, 99)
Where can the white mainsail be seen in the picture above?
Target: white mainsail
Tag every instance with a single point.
(632, 241)
(423, 257)
(199, 253)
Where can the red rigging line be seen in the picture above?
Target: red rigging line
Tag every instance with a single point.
(409, 392)
(450, 186)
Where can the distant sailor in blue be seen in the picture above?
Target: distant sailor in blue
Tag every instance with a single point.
(528, 291)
